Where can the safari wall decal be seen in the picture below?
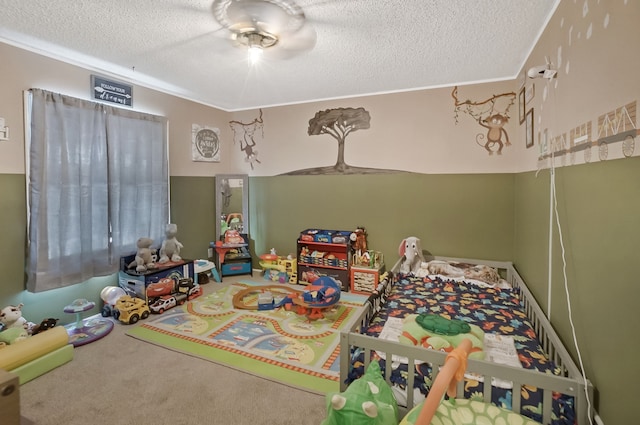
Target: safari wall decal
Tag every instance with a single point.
(492, 114)
(245, 134)
(614, 127)
(339, 123)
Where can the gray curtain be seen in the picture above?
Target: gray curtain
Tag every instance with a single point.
(98, 180)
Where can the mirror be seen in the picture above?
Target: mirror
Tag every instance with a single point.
(232, 203)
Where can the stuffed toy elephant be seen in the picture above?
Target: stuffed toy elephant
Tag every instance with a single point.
(411, 250)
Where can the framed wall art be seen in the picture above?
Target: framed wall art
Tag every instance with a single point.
(205, 143)
(529, 94)
(529, 128)
(521, 104)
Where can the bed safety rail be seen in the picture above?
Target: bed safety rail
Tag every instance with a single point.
(569, 381)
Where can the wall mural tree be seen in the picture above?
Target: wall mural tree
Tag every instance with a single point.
(339, 123)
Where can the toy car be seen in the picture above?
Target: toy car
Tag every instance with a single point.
(164, 286)
(129, 309)
(166, 302)
(163, 303)
(194, 292)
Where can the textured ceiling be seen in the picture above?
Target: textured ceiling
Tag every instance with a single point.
(363, 46)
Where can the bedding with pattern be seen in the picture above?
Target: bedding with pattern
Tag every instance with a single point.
(496, 309)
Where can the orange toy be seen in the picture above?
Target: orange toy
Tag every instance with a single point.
(452, 372)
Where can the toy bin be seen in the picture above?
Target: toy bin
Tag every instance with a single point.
(135, 283)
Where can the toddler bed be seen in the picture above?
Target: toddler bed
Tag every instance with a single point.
(549, 387)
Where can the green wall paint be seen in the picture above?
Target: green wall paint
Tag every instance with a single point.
(493, 216)
(12, 267)
(193, 209)
(14, 228)
(599, 210)
(465, 215)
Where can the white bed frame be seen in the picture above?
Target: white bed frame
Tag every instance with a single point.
(570, 381)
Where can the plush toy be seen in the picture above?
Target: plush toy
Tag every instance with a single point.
(144, 255)
(11, 317)
(45, 325)
(358, 240)
(442, 334)
(13, 335)
(368, 400)
(411, 252)
(170, 249)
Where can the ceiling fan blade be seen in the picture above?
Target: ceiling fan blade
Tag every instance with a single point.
(261, 15)
(294, 42)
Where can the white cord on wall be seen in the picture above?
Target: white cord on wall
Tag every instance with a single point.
(552, 194)
(566, 288)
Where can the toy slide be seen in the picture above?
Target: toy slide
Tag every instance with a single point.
(32, 348)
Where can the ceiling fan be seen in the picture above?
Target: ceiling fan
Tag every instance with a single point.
(277, 26)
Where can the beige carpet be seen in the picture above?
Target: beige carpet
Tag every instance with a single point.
(120, 380)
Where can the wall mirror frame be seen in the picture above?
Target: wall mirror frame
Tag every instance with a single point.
(232, 203)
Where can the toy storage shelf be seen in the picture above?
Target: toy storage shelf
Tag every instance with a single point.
(233, 259)
(324, 257)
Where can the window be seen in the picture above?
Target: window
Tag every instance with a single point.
(97, 180)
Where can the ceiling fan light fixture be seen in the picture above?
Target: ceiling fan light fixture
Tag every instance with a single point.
(255, 53)
(257, 25)
(256, 42)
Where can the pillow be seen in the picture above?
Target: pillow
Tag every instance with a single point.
(477, 274)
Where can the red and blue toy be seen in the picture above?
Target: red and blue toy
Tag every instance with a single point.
(324, 293)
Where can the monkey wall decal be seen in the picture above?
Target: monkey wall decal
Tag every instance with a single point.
(495, 125)
(244, 133)
(485, 112)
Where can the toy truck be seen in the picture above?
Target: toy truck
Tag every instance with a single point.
(165, 302)
(130, 309)
(168, 293)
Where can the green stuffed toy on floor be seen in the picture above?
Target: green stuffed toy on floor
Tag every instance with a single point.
(367, 401)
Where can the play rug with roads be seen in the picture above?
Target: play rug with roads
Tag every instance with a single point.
(277, 344)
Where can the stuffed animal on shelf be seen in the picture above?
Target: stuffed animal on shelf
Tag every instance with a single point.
(144, 255)
(359, 240)
(170, 249)
(367, 400)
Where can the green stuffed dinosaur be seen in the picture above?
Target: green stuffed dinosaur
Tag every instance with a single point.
(367, 401)
(442, 334)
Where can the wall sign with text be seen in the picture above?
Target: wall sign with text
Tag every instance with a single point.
(111, 91)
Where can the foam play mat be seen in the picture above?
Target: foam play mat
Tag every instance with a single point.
(276, 344)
